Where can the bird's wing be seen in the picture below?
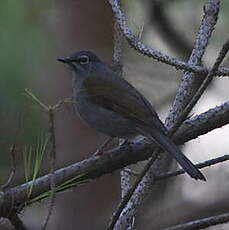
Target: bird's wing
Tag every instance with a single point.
(121, 97)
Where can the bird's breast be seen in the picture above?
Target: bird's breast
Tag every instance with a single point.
(102, 119)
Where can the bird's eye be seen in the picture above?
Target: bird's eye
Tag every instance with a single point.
(84, 60)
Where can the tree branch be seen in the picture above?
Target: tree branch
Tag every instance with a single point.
(152, 53)
(204, 164)
(190, 82)
(202, 223)
(189, 85)
(114, 159)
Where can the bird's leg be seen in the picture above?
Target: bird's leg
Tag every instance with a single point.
(100, 150)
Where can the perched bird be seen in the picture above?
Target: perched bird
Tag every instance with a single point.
(114, 107)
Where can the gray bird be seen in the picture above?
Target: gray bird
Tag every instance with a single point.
(114, 107)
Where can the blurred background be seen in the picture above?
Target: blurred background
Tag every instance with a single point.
(34, 33)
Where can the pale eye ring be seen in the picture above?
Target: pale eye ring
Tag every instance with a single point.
(84, 59)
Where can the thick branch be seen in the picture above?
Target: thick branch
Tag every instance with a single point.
(114, 159)
(203, 123)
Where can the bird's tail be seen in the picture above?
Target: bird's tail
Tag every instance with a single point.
(167, 145)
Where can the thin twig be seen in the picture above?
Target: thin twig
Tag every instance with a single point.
(52, 157)
(50, 110)
(202, 223)
(61, 102)
(39, 102)
(204, 164)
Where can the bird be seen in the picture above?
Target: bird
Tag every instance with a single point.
(112, 106)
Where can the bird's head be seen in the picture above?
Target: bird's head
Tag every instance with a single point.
(81, 62)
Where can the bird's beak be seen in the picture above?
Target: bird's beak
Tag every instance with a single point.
(64, 60)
